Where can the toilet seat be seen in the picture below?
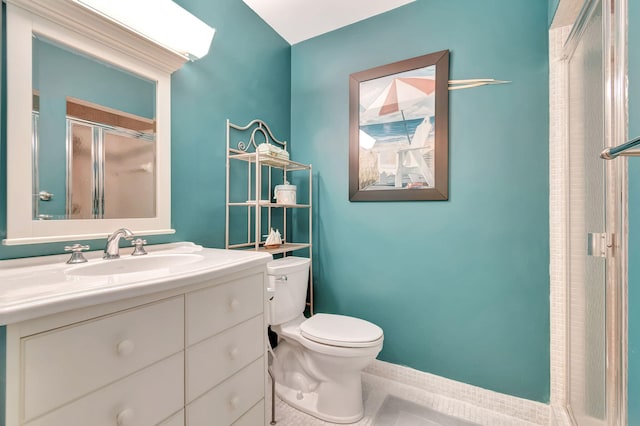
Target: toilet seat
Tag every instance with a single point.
(341, 331)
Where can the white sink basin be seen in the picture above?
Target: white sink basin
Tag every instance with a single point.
(130, 265)
(38, 286)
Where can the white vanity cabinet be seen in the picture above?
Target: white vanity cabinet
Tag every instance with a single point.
(64, 364)
(192, 355)
(225, 351)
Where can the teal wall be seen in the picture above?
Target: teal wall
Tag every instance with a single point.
(460, 287)
(553, 7)
(58, 73)
(245, 76)
(634, 218)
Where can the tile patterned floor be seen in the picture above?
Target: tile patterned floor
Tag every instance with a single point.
(400, 412)
(376, 389)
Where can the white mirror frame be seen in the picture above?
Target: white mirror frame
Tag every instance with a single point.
(21, 228)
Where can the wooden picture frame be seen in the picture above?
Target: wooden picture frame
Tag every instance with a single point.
(399, 130)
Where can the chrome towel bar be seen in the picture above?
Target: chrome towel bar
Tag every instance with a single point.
(613, 152)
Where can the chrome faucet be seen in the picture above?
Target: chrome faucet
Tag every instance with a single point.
(112, 250)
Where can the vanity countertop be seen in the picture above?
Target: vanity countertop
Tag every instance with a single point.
(38, 286)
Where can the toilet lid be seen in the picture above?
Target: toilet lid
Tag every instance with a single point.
(340, 330)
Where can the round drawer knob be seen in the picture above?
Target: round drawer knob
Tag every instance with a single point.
(234, 352)
(125, 417)
(234, 401)
(125, 348)
(234, 304)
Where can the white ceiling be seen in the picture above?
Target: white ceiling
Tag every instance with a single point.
(299, 20)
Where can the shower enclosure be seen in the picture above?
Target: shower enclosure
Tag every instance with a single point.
(596, 232)
(108, 170)
(111, 172)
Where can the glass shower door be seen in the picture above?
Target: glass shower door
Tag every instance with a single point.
(587, 224)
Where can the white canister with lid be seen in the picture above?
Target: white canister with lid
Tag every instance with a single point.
(285, 194)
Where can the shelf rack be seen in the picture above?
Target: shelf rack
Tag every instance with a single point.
(262, 171)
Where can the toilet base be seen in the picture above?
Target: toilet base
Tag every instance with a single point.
(307, 402)
(325, 386)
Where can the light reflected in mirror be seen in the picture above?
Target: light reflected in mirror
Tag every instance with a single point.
(94, 138)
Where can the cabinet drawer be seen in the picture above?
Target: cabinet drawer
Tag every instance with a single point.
(254, 417)
(216, 358)
(232, 398)
(64, 364)
(144, 398)
(213, 309)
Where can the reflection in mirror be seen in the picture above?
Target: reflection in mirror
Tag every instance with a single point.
(94, 137)
(111, 172)
(123, 77)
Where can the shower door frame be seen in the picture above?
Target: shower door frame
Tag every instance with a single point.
(614, 16)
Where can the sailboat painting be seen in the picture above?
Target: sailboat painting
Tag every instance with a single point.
(399, 131)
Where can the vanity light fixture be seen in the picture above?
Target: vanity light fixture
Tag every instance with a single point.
(161, 21)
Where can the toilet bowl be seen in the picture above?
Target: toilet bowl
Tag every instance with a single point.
(318, 361)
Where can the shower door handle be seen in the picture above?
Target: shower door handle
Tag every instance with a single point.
(45, 196)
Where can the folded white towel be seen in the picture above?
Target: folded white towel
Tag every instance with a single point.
(273, 151)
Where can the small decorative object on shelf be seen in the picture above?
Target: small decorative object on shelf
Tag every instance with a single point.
(274, 240)
(285, 194)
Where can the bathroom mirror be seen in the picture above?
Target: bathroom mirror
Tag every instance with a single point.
(93, 140)
(65, 90)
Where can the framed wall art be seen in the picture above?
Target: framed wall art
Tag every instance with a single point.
(399, 130)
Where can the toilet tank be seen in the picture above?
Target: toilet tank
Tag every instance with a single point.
(288, 279)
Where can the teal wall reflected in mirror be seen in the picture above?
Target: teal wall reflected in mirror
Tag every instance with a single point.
(59, 73)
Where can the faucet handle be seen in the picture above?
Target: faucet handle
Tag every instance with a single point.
(139, 250)
(76, 253)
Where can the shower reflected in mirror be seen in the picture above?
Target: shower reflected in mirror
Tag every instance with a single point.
(93, 138)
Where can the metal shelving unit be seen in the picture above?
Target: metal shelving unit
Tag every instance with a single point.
(262, 172)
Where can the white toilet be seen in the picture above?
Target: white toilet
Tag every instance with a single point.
(318, 361)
